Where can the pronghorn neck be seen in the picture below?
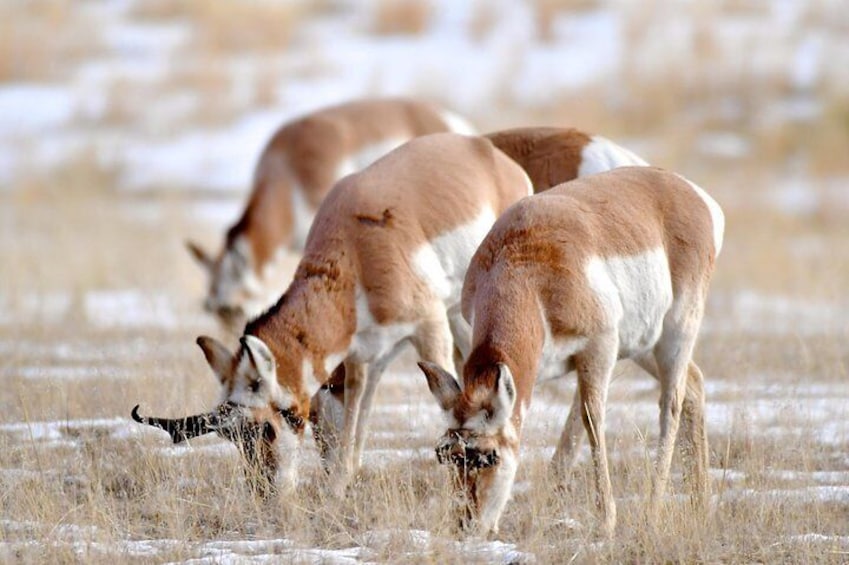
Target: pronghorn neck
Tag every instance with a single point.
(309, 326)
(505, 333)
(265, 224)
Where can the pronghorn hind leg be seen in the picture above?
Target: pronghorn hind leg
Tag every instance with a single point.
(695, 442)
(692, 436)
(673, 355)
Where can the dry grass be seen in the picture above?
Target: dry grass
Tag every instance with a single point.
(401, 17)
(43, 39)
(89, 490)
(92, 490)
(230, 27)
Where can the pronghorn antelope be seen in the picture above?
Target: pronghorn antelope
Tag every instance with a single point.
(383, 266)
(550, 156)
(296, 170)
(612, 266)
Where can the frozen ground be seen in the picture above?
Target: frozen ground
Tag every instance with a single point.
(99, 304)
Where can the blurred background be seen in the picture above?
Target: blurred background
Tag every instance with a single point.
(127, 126)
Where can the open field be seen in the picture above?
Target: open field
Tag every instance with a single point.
(132, 126)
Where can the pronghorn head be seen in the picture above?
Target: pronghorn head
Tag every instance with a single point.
(232, 280)
(253, 413)
(480, 445)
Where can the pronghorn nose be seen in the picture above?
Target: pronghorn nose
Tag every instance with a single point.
(451, 450)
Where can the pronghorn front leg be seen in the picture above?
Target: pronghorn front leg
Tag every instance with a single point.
(375, 371)
(570, 442)
(355, 384)
(594, 366)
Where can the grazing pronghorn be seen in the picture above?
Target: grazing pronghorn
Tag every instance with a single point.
(383, 266)
(296, 170)
(612, 266)
(550, 156)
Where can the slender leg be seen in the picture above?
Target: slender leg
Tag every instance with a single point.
(692, 435)
(570, 441)
(695, 436)
(672, 354)
(375, 371)
(355, 381)
(594, 366)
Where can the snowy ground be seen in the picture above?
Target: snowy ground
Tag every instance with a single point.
(109, 160)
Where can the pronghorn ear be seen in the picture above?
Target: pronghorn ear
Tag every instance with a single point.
(505, 395)
(218, 357)
(200, 255)
(260, 356)
(442, 384)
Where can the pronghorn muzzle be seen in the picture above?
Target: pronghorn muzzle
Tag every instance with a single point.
(181, 429)
(459, 448)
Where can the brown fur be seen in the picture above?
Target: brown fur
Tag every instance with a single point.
(307, 152)
(534, 258)
(550, 156)
(426, 188)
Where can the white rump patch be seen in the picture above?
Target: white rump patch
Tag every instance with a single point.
(442, 263)
(716, 215)
(602, 155)
(635, 293)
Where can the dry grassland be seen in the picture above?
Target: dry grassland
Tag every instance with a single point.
(85, 269)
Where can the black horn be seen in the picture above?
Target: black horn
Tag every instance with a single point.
(181, 429)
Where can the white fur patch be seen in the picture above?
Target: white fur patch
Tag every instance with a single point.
(368, 154)
(442, 263)
(496, 496)
(635, 293)
(308, 378)
(602, 155)
(302, 216)
(457, 123)
(716, 215)
(287, 447)
(333, 360)
(555, 352)
(233, 276)
(372, 341)
(310, 382)
(270, 391)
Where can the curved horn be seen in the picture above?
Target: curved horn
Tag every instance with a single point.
(181, 429)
